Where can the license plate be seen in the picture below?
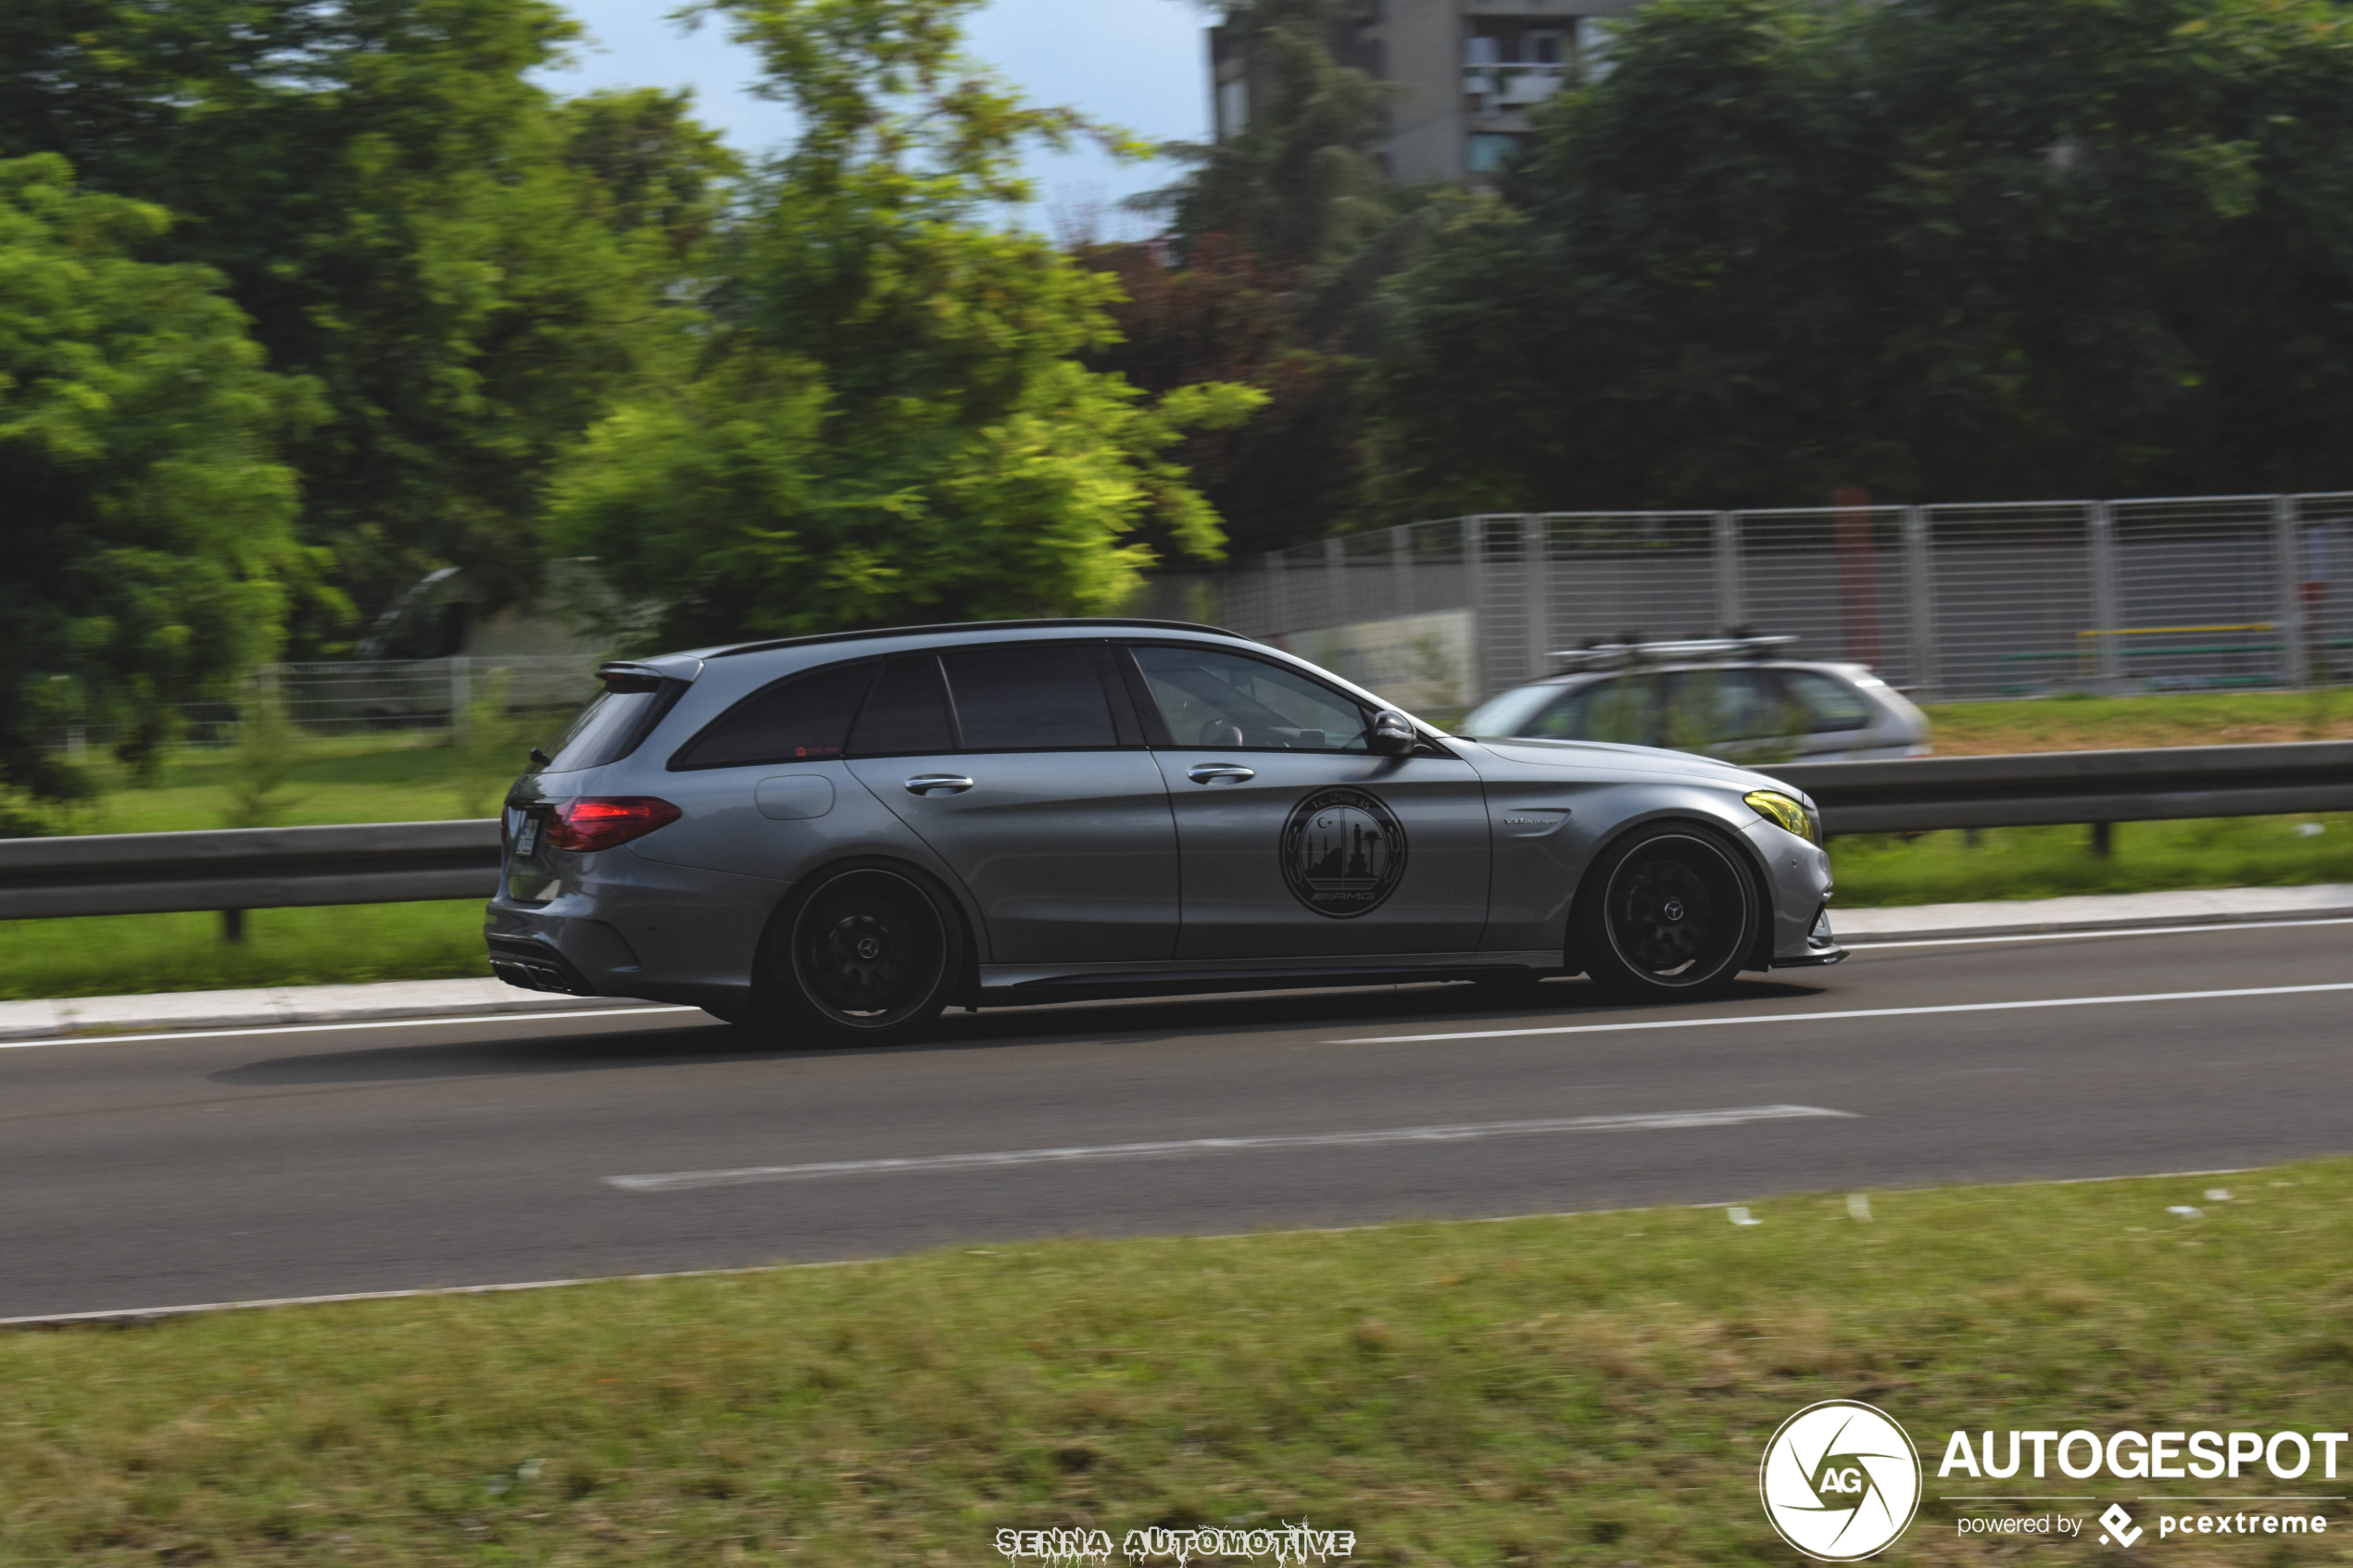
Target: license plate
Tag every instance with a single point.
(526, 836)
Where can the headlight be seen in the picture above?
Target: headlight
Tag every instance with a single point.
(1782, 811)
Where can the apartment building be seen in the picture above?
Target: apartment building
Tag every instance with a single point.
(1468, 74)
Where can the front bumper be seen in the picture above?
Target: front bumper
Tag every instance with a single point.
(1821, 947)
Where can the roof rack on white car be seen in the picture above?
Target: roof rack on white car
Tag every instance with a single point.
(1620, 654)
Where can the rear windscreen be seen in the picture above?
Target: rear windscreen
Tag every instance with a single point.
(605, 732)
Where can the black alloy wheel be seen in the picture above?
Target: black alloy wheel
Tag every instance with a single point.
(1673, 914)
(869, 956)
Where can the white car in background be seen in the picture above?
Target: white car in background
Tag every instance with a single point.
(1728, 698)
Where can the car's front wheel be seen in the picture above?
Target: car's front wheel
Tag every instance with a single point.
(1670, 914)
(864, 956)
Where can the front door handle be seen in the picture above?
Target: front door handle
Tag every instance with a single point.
(1217, 773)
(938, 784)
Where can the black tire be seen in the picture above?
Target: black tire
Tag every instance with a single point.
(863, 957)
(1670, 914)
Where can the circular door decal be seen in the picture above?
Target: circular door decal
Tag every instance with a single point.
(1343, 852)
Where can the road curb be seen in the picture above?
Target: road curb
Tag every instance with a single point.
(97, 1017)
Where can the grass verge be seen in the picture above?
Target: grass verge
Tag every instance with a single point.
(1877, 869)
(1592, 1388)
(120, 955)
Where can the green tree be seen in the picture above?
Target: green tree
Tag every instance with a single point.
(148, 526)
(1281, 238)
(1945, 249)
(1302, 183)
(469, 269)
(887, 419)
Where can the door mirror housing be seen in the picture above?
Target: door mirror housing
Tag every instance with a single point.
(1392, 735)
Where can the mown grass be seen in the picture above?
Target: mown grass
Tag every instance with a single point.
(1592, 1389)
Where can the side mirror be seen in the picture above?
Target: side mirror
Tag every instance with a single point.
(1392, 735)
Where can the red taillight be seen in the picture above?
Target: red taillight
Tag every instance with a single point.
(599, 823)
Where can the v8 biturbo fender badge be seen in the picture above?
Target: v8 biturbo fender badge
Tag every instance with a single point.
(1343, 852)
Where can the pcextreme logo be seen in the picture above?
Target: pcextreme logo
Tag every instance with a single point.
(1840, 1480)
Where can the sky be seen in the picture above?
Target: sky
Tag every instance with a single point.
(1138, 64)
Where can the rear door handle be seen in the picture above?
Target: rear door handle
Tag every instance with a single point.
(938, 784)
(1215, 773)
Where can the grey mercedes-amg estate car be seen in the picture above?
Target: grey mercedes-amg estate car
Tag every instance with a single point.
(839, 836)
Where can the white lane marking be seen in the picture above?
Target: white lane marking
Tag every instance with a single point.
(1859, 1012)
(96, 1037)
(1861, 945)
(1460, 1133)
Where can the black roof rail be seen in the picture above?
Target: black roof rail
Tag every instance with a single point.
(974, 626)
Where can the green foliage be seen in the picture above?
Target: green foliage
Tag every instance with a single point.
(1941, 249)
(1302, 183)
(1280, 240)
(886, 419)
(489, 745)
(467, 270)
(147, 524)
(262, 764)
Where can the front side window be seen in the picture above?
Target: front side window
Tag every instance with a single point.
(1211, 698)
(1030, 697)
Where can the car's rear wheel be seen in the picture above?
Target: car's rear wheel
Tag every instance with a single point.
(1670, 913)
(866, 957)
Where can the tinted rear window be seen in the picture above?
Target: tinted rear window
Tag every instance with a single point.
(800, 719)
(907, 712)
(602, 727)
(1041, 696)
(611, 726)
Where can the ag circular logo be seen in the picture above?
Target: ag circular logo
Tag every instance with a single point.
(1343, 852)
(1840, 1480)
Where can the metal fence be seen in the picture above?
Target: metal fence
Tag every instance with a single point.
(358, 696)
(1973, 600)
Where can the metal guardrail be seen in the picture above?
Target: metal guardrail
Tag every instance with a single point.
(1922, 794)
(125, 874)
(399, 862)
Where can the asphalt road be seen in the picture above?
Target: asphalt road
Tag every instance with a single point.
(282, 1162)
